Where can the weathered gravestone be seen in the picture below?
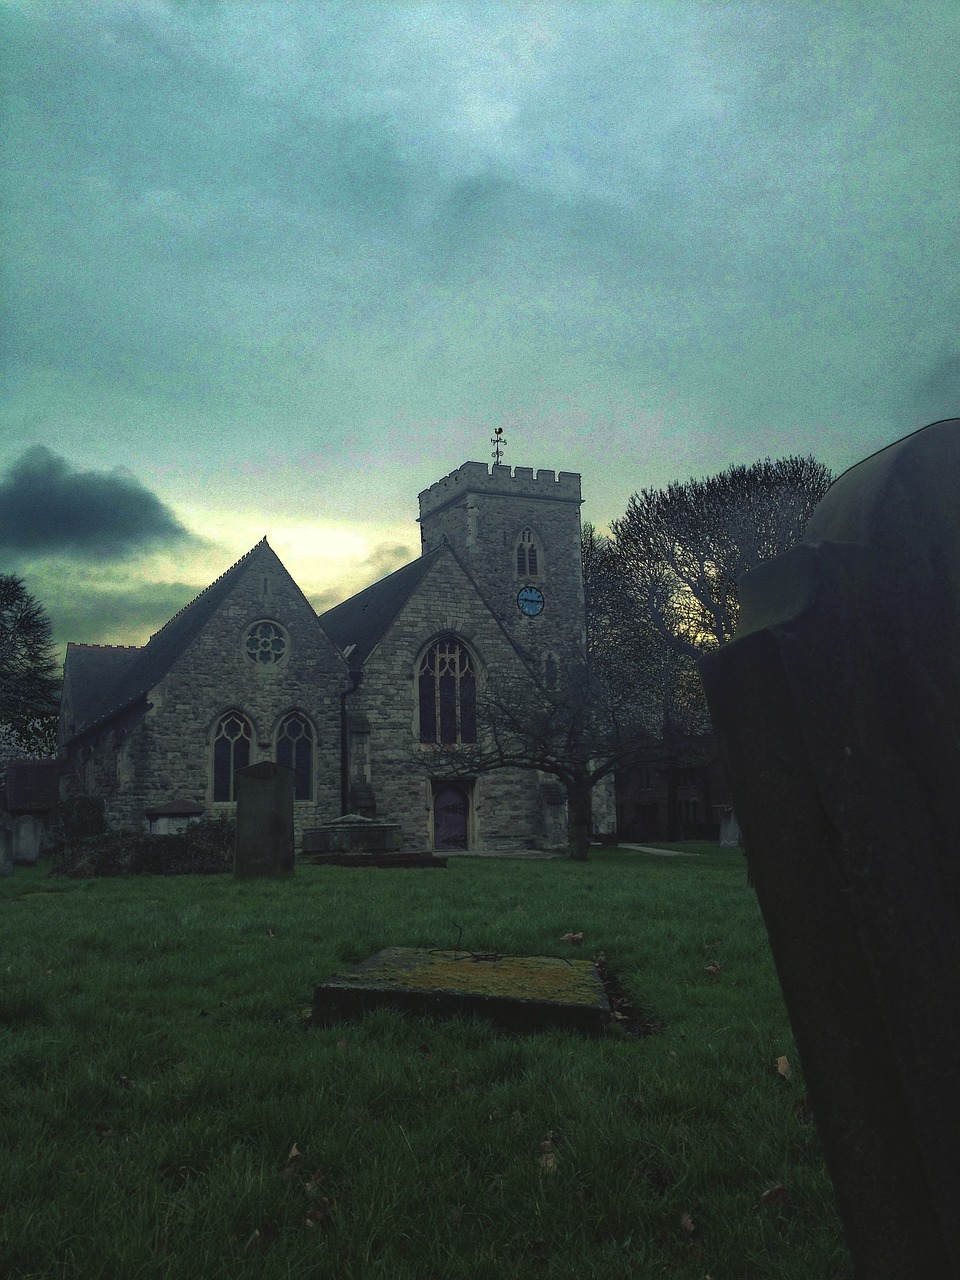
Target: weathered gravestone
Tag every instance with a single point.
(264, 821)
(6, 846)
(837, 709)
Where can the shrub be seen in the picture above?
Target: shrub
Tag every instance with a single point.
(205, 847)
(80, 818)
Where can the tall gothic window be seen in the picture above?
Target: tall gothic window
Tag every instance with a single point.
(295, 750)
(527, 557)
(448, 693)
(231, 751)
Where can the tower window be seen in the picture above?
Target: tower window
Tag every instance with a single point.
(448, 693)
(295, 750)
(231, 751)
(527, 557)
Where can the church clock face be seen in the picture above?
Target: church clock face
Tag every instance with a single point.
(530, 601)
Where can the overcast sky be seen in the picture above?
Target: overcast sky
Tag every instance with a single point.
(273, 268)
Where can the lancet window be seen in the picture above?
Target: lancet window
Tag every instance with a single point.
(528, 556)
(231, 751)
(448, 693)
(295, 750)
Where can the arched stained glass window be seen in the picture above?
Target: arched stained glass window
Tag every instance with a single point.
(528, 560)
(231, 751)
(295, 750)
(448, 693)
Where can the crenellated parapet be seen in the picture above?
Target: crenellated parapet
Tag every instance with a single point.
(500, 482)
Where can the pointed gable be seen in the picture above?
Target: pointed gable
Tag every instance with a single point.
(110, 685)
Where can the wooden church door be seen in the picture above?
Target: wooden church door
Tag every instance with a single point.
(451, 813)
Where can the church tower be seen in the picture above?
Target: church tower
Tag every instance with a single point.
(518, 534)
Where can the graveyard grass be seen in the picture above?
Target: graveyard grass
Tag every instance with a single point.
(165, 1112)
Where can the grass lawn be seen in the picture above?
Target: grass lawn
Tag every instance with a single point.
(164, 1112)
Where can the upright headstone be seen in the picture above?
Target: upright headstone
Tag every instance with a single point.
(6, 846)
(837, 710)
(29, 831)
(264, 821)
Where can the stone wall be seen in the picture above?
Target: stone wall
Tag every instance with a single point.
(481, 513)
(507, 812)
(165, 751)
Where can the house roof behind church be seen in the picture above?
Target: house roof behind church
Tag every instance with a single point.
(93, 668)
(108, 688)
(357, 625)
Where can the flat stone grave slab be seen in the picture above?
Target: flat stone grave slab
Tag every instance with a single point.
(518, 993)
(375, 860)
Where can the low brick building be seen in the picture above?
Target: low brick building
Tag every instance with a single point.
(248, 672)
(675, 794)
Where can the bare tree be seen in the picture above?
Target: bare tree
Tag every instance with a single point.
(680, 553)
(576, 733)
(683, 549)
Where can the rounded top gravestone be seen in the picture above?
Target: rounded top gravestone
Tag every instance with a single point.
(837, 712)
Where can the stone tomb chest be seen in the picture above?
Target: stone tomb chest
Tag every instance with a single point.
(357, 841)
(352, 834)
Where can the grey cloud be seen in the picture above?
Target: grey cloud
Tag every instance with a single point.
(92, 616)
(385, 558)
(48, 507)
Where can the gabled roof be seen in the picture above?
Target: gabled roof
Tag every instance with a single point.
(107, 691)
(89, 670)
(356, 626)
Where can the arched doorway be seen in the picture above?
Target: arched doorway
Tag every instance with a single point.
(451, 816)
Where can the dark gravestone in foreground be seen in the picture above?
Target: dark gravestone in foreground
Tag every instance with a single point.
(264, 821)
(837, 708)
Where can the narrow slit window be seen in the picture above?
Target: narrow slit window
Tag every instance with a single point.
(528, 555)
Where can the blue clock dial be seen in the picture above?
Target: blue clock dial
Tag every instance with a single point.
(530, 601)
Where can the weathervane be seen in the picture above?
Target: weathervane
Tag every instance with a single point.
(498, 441)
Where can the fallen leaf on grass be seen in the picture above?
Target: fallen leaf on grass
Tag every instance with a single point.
(686, 1222)
(264, 1234)
(318, 1214)
(123, 1081)
(803, 1108)
(714, 969)
(548, 1162)
(315, 1178)
(777, 1194)
(287, 1168)
(783, 1067)
(575, 938)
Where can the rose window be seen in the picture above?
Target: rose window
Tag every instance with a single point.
(265, 643)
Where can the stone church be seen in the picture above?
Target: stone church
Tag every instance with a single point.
(248, 672)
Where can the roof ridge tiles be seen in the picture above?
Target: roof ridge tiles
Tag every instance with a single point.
(83, 644)
(210, 586)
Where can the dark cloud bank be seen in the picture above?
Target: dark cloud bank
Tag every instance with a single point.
(48, 507)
